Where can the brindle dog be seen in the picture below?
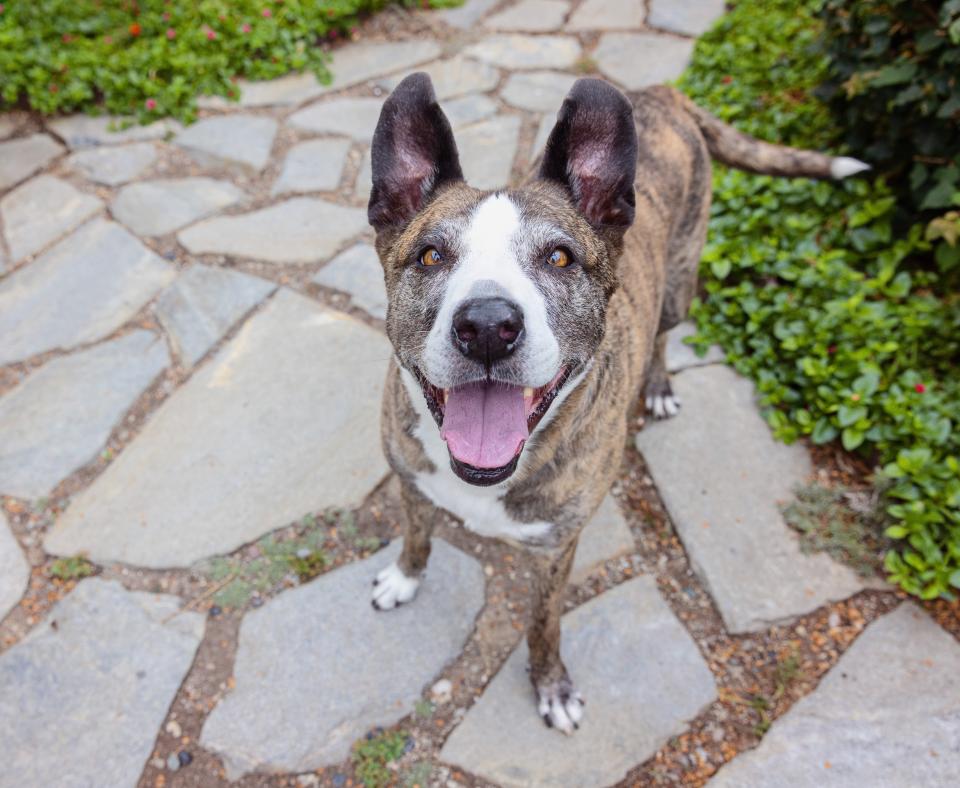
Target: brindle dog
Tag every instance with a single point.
(527, 321)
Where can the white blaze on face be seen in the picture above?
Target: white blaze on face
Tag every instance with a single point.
(489, 252)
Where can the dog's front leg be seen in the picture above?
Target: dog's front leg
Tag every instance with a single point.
(560, 705)
(398, 583)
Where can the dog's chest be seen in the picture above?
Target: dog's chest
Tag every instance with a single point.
(480, 508)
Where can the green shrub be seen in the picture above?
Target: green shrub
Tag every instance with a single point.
(842, 321)
(893, 67)
(150, 58)
(372, 754)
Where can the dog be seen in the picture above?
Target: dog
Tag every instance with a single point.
(526, 322)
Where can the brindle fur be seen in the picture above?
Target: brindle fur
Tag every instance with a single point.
(650, 273)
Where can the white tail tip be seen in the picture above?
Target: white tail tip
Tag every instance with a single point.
(845, 166)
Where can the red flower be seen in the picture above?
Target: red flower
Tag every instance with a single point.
(171, 33)
(832, 349)
(210, 34)
(727, 80)
(165, 16)
(151, 104)
(67, 38)
(246, 28)
(919, 388)
(267, 13)
(134, 29)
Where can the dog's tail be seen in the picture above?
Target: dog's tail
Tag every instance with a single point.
(744, 152)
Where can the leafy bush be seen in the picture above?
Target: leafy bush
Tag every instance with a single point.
(149, 58)
(843, 323)
(372, 754)
(893, 85)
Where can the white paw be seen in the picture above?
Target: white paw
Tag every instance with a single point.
(663, 406)
(561, 707)
(392, 588)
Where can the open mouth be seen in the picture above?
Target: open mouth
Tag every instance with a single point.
(486, 423)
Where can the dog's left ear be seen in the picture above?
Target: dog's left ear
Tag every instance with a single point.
(592, 152)
(413, 153)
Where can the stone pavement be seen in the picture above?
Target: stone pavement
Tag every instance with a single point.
(191, 358)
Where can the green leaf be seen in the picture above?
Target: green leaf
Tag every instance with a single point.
(823, 432)
(896, 532)
(851, 438)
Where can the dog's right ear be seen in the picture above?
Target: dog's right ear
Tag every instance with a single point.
(413, 153)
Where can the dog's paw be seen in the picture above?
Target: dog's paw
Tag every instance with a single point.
(392, 588)
(561, 706)
(663, 405)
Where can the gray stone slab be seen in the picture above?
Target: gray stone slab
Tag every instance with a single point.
(468, 109)
(14, 569)
(637, 60)
(162, 206)
(533, 16)
(357, 271)
(606, 536)
(282, 421)
(286, 91)
(681, 356)
(42, 210)
(887, 714)
(358, 62)
(314, 165)
(608, 15)
(114, 164)
(310, 229)
(60, 417)
(687, 17)
(203, 304)
(722, 477)
(352, 117)
(467, 15)
(452, 77)
(83, 289)
(640, 673)
(240, 140)
(9, 123)
(487, 150)
(22, 157)
(374, 666)
(541, 91)
(365, 177)
(518, 51)
(547, 122)
(84, 131)
(85, 693)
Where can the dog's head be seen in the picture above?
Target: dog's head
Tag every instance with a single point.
(496, 301)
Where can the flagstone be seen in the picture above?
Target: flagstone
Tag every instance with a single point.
(112, 165)
(357, 271)
(81, 290)
(687, 17)
(85, 692)
(314, 165)
(353, 117)
(607, 15)
(638, 60)
(541, 91)
(534, 16)
(359, 62)
(164, 205)
(453, 77)
(60, 417)
(238, 139)
(86, 131)
(14, 569)
(283, 420)
(487, 150)
(22, 157)
(519, 51)
(310, 229)
(322, 646)
(605, 536)
(42, 210)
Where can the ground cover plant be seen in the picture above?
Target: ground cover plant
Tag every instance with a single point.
(841, 311)
(152, 58)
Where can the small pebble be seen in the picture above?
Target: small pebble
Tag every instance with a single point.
(442, 691)
(339, 780)
(303, 552)
(173, 728)
(185, 758)
(173, 762)
(488, 570)
(215, 610)
(833, 620)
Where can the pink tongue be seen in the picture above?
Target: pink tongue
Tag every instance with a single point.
(484, 424)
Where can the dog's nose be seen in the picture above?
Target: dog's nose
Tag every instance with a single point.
(487, 329)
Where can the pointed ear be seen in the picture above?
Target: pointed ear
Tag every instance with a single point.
(413, 153)
(592, 153)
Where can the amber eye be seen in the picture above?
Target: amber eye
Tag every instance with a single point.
(559, 258)
(430, 256)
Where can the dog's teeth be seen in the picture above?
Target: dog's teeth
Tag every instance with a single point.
(528, 393)
(446, 393)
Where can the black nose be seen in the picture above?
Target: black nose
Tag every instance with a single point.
(487, 329)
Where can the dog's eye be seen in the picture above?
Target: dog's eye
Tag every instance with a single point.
(430, 256)
(559, 258)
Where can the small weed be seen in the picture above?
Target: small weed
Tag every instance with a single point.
(309, 565)
(73, 568)
(372, 754)
(761, 705)
(418, 775)
(846, 524)
(423, 708)
(788, 670)
(585, 65)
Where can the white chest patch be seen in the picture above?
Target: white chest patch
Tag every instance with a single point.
(480, 508)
